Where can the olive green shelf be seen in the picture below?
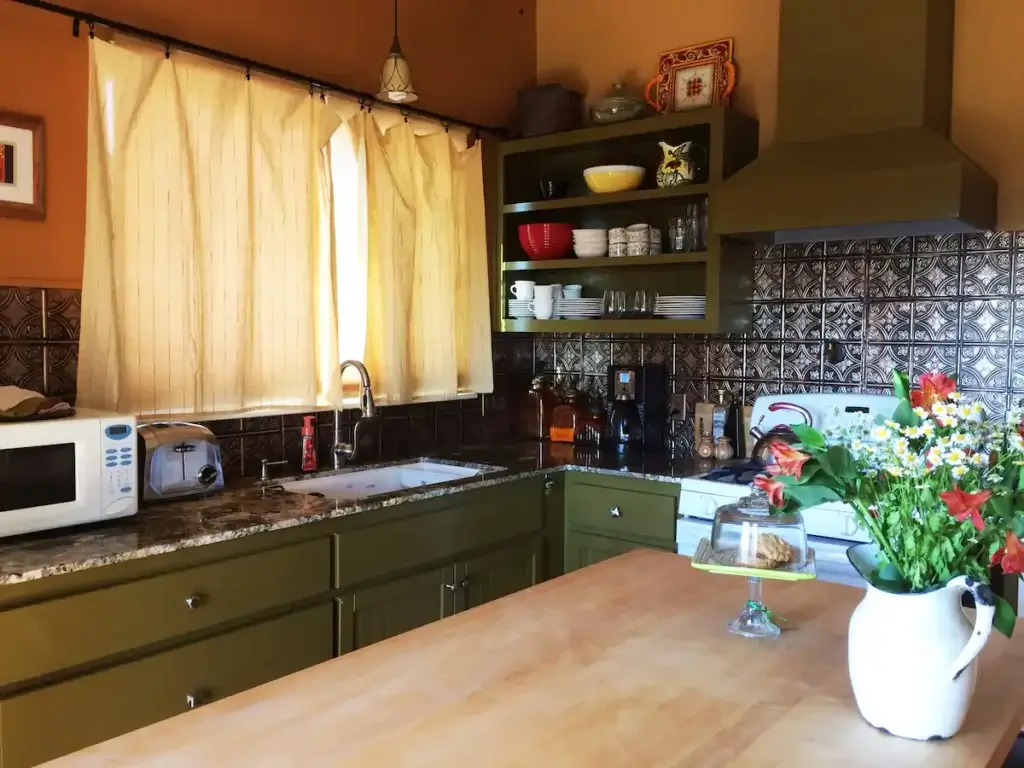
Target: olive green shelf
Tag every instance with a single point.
(610, 198)
(605, 262)
(602, 325)
(723, 273)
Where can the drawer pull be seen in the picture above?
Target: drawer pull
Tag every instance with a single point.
(460, 585)
(616, 512)
(193, 700)
(549, 484)
(194, 601)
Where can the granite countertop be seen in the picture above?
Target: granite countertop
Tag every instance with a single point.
(235, 513)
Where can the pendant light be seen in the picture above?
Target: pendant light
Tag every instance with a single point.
(395, 78)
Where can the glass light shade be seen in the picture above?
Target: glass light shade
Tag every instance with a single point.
(396, 79)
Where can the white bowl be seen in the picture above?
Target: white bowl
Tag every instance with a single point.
(590, 233)
(591, 253)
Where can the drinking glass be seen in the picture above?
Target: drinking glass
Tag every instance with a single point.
(614, 304)
(643, 303)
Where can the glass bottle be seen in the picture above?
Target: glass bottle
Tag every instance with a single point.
(718, 415)
(536, 410)
(566, 416)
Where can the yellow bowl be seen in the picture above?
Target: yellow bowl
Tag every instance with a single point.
(613, 178)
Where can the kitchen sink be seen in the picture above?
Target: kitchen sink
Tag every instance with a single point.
(360, 484)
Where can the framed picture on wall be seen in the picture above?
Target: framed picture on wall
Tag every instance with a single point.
(22, 156)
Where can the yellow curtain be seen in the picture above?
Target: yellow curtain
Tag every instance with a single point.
(420, 265)
(208, 283)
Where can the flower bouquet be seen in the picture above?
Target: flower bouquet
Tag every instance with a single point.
(939, 489)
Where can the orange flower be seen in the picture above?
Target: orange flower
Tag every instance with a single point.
(934, 387)
(1010, 556)
(963, 505)
(772, 487)
(788, 458)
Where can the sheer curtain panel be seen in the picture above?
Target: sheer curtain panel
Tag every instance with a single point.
(413, 260)
(209, 273)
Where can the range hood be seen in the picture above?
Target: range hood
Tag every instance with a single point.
(862, 145)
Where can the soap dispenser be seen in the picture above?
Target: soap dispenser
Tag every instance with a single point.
(309, 463)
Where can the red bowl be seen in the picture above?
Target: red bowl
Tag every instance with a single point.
(545, 241)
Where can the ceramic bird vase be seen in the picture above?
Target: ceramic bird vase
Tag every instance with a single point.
(680, 164)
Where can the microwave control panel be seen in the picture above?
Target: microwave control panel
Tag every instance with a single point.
(120, 471)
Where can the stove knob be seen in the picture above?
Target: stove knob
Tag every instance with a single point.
(207, 474)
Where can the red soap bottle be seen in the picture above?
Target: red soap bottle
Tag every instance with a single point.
(308, 444)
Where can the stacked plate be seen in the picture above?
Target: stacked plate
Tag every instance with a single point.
(680, 307)
(578, 307)
(519, 308)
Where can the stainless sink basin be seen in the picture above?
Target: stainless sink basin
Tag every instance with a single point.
(361, 484)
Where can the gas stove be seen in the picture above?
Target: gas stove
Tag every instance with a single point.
(831, 528)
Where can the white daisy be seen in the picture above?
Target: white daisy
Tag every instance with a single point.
(965, 410)
(927, 429)
(941, 409)
(954, 396)
(978, 459)
(880, 433)
(912, 432)
(895, 471)
(958, 472)
(947, 421)
(922, 412)
(956, 456)
(901, 446)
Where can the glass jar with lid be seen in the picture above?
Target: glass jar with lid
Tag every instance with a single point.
(536, 410)
(566, 416)
(747, 535)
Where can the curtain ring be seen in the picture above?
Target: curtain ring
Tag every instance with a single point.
(92, 30)
(76, 26)
(248, 73)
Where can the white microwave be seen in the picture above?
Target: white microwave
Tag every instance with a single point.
(60, 472)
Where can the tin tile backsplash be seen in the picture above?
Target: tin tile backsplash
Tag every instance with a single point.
(828, 316)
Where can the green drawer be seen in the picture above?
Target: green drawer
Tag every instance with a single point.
(476, 519)
(621, 513)
(62, 718)
(583, 549)
(69, 631)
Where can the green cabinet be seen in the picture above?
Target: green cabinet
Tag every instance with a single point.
(375, 613)
(510, 569)
(607, 515)
(57, 719)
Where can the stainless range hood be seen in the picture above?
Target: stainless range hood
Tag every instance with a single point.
(862, 144)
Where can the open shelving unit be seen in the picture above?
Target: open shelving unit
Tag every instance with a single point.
(723, 271)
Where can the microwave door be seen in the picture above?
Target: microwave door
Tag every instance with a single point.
(34, 476)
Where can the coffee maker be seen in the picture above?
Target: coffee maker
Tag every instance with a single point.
(639, 398)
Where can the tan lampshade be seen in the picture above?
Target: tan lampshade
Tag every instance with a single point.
(396, 79)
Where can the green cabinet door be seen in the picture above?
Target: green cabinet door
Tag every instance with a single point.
(372, 614)
(583, 549)
(502, 572)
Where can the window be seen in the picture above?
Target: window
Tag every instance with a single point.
(243, 237)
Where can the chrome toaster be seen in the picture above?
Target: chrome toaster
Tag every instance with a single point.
(181, 459)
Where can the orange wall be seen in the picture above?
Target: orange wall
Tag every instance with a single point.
(468, 58)
(624, 38)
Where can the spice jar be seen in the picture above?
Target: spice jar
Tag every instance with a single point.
(705, 446)
(566, 416)
(590, 429)
(536, 410)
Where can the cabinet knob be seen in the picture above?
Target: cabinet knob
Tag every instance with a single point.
(193, 700)
(194, 601)
(549, 484)
(458, 585)
(616, 512)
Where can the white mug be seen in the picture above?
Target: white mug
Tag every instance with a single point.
(523, 289)
(545, 292)
(557, 293)
(572, 291)
(639, 249)
(543, 307)
(617, 249)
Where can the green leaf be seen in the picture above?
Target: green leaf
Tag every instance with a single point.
(810, 495)
(1006, 617)
(1017, 524)
(888, 577)
(842, 462)
(904, 415)
(809, 436)
(1020, 478)
(999, 506)
(901, 385)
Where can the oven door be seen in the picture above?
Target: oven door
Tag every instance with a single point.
(45, 478)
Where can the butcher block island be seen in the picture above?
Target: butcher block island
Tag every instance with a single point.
(625, 663)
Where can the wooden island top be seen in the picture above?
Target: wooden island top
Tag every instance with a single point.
(625, 663)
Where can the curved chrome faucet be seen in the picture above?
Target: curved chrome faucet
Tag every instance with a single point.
(345, 452)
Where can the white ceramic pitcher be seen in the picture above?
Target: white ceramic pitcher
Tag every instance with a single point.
(911, 657)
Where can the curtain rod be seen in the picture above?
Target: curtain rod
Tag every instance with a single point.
(168, 42)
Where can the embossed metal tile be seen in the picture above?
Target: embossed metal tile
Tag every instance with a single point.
(844, 278)
(987, 274)
(767, 280)
(984, 367)
(926, 358)
(937, 275)
(21, 365)
(802, 322)
(804, 280)
(889, 321)
(985, 320)
(63, 314)
(936, 320)
(763, 361)
(596, 356)
(888, 277)
(725, 360)
(881, 360)
(21, 313)
(802, 361)
(767, 321)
